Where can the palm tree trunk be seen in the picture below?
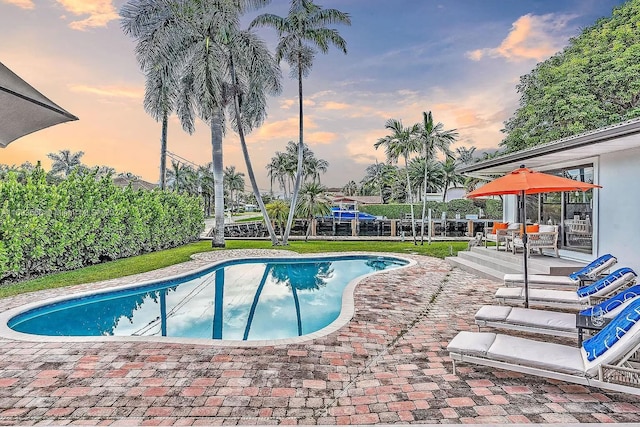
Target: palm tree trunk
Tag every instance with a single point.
(424, 198)
(163, 151)
(252, 176)
(413, 218)
(218, 178)
(247, 161)
(444, 192)
(424, 209)
(296, 187)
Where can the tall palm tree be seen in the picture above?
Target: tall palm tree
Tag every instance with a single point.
(401, 142)
(146, 22)
(219, 67)
(64, 162)
(301, 32)
(433, 139)
(312, 203)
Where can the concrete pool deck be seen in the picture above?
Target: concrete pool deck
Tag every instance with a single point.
(388, 365)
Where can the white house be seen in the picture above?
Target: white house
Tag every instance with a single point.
(605, 220)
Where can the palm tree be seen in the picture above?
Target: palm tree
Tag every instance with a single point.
(278, 170)
(143, 21)
(434, 174)
(278, 210)
(465, 155)
(177, 177)
(313, 167)
(234, 182)
(450, 176)
(313, 202)
(350, 189)
(207, 189)
(64, 162)
(301, 32)
(401, 143)
(218, 67)
(434, 139)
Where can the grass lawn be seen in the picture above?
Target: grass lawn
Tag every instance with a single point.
(155, 260)
(250, 219)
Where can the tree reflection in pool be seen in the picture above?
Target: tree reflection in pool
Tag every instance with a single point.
(236, 300)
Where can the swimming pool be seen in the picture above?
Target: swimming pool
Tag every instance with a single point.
(245, 300)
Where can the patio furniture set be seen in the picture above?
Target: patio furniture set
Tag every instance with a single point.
(539, 237)
(605, 307)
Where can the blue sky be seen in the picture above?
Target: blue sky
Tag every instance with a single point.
(461, 59)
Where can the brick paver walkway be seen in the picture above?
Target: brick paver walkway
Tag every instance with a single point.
(388, 365)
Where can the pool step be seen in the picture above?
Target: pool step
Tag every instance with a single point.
(492, 264)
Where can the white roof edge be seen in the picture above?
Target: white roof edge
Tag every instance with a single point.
(595, 136)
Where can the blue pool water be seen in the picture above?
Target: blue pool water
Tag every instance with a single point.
(261, 299)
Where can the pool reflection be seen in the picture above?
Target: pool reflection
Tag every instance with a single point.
(249, 301)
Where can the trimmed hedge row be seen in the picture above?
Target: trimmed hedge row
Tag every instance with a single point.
(491, 208)
(46, 228)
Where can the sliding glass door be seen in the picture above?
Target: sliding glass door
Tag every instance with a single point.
(571, 211)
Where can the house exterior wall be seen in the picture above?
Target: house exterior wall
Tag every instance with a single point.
(619, 207)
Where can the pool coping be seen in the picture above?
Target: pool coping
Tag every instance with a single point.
(347, 309)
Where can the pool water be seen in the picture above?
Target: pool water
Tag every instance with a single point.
(261, 299)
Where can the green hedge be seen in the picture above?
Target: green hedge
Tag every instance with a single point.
(80, 221)
(491, 208)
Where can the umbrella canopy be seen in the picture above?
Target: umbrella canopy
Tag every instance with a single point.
(531, 182)
(523, 181)
(23, 109)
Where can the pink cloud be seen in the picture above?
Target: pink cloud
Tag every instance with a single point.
(100, 12)
(110, 91)
(531, 37)
(23, 4)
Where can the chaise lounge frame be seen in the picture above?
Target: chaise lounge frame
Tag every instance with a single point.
(624, 376)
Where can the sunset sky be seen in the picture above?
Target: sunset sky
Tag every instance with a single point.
(461, 59)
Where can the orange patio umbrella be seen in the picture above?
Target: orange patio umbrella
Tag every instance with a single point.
(523, 181)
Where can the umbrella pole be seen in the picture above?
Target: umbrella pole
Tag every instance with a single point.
(525, 245)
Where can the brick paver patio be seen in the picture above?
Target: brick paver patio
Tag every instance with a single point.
(388, 365)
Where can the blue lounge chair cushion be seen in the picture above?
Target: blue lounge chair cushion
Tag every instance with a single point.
(594, 287)
(613, 302)
(621, 324)
(594, 267)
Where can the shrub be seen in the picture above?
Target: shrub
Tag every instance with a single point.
(83, 220)
(492, 209)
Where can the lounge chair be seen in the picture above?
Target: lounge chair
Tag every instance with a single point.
(550, 322)
(589, 272)
(610, 359)
(582, 297)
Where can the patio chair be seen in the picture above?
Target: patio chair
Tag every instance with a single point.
(589, 272)
(545, 238)
(550, 322)
(582, 297)
(610, 359)
(499, 234)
